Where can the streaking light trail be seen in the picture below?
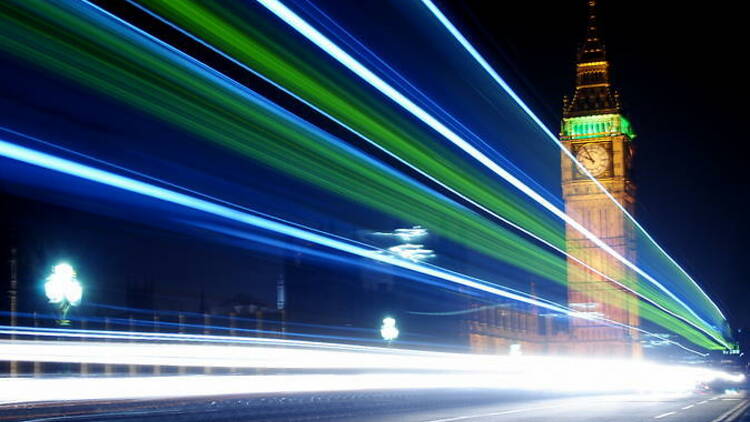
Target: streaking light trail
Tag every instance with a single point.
(304, 28)
(376, 368)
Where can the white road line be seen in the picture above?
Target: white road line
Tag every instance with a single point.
(664, 415)
(739, 409)
(504, 412)
(703, 402)
(687, 407)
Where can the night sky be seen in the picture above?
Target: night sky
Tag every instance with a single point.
(677, 69)
(679, 75)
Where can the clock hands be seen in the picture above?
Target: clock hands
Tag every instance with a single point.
(585, 157)
(584, 149)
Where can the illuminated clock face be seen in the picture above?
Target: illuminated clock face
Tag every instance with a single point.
(594, 157)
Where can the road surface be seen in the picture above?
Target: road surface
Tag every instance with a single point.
(408, 406)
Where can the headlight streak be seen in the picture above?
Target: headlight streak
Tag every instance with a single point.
(495, 76)
(50, 162)
(433, 179)
(344, 58)
(24, 390)
(375, 368)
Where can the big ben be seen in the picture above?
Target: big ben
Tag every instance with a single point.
(597, 133)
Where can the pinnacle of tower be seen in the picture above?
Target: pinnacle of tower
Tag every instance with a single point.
(592, 49)
(593, 94)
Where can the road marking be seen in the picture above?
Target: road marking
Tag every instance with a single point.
(703, 402)
(504, 412)
(664, 415)
(735, 411)
(687, 407)
(730, 399)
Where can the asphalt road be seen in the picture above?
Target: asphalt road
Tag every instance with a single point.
(626, 408)
(405, 406)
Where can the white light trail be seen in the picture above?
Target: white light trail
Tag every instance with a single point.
(497, 78)
(312, 34)
(21, 390)
(376, 368)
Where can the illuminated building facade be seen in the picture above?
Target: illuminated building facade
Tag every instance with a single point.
(512, 327)
(597, 133)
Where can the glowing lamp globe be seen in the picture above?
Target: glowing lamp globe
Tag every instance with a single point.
(388, 330)
(62, 286)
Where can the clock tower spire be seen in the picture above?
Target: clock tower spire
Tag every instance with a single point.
(594, 93)
(595, 130)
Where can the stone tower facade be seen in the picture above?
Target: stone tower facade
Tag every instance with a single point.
(597, 133)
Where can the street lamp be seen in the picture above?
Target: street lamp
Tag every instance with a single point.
(388, 330)
(63, 289)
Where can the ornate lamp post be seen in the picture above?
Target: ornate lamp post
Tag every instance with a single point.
(63, 289)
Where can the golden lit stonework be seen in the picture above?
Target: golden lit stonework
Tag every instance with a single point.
(597, 134)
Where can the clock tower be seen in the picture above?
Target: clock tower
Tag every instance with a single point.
(597, 133)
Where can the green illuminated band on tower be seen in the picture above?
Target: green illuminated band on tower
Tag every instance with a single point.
(598, 125)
